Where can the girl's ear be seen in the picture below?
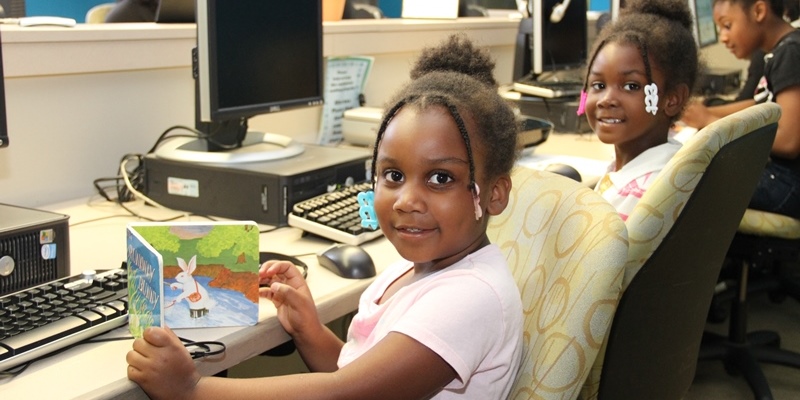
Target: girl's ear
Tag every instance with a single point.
(676, 99)
(498, 199)
(759, 10)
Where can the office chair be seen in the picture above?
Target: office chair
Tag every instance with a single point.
(764, 257)
(566, 247)
(679, 233)
(97, 14)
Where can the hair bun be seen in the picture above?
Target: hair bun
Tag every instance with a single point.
(456, 54)
(674, 10)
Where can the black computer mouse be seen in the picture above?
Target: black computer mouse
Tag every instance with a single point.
(347, 261)
(565, 170)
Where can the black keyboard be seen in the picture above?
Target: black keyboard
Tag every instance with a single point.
(549, 89)
(334, 216)
(48, 317)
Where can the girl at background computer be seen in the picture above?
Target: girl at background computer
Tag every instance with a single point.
(746, 27)
(639, 79)
(791, 13)
(445, 324)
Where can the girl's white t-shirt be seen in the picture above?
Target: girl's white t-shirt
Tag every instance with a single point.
(470, 314)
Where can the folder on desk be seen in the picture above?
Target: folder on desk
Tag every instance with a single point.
(192, 274)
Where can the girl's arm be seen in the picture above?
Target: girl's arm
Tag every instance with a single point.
(397, 367)
(698, 116)
(730, 108)
(787, 140)
(317, 345)
(297, 313)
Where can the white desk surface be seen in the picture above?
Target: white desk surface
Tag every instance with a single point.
(98, 370)
(584, 152)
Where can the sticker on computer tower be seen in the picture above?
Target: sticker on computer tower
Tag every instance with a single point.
(47, 236)
(183, 187)
(49, 251)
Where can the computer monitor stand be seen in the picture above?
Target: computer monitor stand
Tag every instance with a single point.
(257, 146)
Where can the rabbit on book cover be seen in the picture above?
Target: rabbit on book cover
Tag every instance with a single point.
(193, 292)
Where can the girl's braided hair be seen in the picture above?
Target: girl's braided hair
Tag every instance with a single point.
(458, 76)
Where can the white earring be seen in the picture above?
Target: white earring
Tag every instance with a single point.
(651, 98)
(476, 199)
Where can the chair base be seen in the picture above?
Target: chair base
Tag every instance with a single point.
(742, 351)
(758, 347)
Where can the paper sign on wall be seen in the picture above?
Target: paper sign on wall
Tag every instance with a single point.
(345, 78)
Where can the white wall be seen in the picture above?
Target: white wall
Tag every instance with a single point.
(717, 56)
(80, 98)
(65, 131)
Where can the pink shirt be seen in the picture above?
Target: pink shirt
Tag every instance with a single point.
(624, 188)
(470, 314)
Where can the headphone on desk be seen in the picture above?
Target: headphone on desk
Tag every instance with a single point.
(558, 11)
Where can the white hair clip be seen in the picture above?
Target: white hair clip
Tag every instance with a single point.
(651, 98)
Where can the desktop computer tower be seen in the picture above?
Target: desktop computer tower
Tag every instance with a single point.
(263, 192)
(562, 112)
(34, 247)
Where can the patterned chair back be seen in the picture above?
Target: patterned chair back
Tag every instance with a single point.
(566, 247)
(678, 234)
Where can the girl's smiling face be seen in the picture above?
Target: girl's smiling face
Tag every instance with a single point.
(615, 102)
(422, 195)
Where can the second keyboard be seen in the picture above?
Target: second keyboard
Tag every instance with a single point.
(549, 89)
(334, 216)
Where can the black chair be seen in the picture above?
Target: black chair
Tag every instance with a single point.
(679, 233)
(764, 257)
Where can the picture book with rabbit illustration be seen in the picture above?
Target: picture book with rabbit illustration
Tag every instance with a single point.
(192, 274)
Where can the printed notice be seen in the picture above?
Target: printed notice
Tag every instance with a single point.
(345, 78)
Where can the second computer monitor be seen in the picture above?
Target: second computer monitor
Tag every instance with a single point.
(705, 31)
(559, 35)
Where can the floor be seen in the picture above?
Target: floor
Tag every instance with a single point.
(713, 383)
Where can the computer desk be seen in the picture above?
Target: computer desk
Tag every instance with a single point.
(584, 152)
(97, 241)
(98, 370)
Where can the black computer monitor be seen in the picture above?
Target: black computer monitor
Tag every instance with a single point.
(253, 57)
(705, 30)
(559, 35)
(3, 122)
